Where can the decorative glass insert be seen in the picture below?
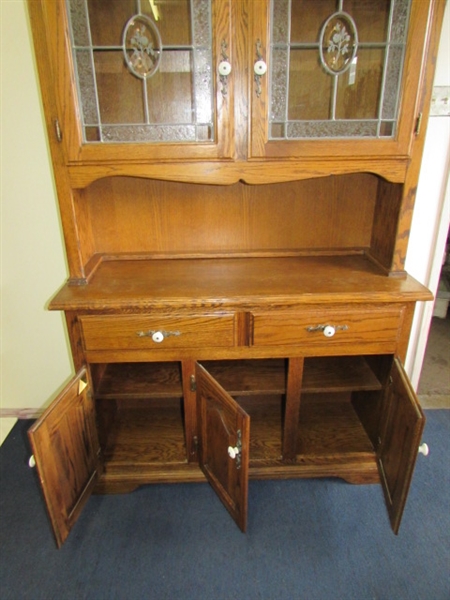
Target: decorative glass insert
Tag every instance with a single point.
(336, 68)
(142, 46)
(338, 43)
(143, 69)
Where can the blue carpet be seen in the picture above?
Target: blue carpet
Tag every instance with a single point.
(306, 539)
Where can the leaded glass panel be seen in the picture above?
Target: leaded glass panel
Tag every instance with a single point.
(143, 69)
(336, 67)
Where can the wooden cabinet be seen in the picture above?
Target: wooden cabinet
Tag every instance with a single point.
(236, 183)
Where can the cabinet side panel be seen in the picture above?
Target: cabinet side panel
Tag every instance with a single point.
(384, 233)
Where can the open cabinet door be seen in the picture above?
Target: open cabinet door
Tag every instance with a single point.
(224, 438)
(66, 450)
(401, 431)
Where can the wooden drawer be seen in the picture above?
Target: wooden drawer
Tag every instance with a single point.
(143, 332)
(331, 328)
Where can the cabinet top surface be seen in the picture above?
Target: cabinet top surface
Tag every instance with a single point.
(236, 282)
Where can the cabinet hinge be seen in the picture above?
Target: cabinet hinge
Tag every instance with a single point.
(418, 124)
(193, 385)
(58, 131)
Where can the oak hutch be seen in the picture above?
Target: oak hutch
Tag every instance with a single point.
(236, 181)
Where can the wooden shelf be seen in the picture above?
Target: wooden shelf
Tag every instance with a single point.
(149, 434)
(182, 283)
(329, 425)
(140, 380)
(338, 374)
(249, 377)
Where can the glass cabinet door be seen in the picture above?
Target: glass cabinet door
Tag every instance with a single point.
(145, 74)
(337, 70)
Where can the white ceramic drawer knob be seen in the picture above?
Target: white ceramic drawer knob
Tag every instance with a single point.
(260, 67)
(158, 337)
(32, 462)
(424, 449)
(329, 331)
(233, 452)
(224, 68)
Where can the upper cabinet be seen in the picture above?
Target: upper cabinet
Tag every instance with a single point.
(150, 80)
(139, 79)
(337, 77)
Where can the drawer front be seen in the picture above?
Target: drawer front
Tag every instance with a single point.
(329, 328)
(144, 332)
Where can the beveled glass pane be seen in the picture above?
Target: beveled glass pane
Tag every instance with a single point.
(170, 89)
(307, 19)
(149, 133)
(360, 100)
(280, 20)
(339, 64)
(171, 101)
(400, 15)
(277, 130)
(201, 19)
(86, 81)
(309, 87)
(174, 21)
(371, 18)
(107, 19)
(392, 83)
(119, 93)
(387, 128)
(202, 86)
(332, 129)
(279, 86)
(79, 23)
(93, 134)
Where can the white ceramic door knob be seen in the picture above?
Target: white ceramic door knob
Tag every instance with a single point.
(424, 449)
(233, 452)
(329, 331)
(224, 68)
(158, 337)
(260, 67)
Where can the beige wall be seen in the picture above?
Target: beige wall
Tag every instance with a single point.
(35, 359)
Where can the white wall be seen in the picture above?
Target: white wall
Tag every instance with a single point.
(35, 356)
(432, 213)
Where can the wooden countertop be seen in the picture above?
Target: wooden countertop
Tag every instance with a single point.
(236, 282)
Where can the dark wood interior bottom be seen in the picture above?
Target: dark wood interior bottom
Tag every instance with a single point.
(149, 433)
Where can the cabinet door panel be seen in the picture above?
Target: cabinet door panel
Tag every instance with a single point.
(223, 425)
(401, 427)
(138, 81)
(338, 83)
(66, 450)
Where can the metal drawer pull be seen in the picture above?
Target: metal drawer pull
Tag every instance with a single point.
(327, 330)
(157, 336)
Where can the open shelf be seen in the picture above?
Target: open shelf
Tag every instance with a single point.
(146, 433)
(140, 380)
(329, 425)
(249, 377)
(338, 374)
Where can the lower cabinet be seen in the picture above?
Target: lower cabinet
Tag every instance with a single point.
(121, 425)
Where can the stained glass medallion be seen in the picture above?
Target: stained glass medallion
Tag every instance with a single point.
(143, 70)
(338, 43)
(142, 46)
(336, 68)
